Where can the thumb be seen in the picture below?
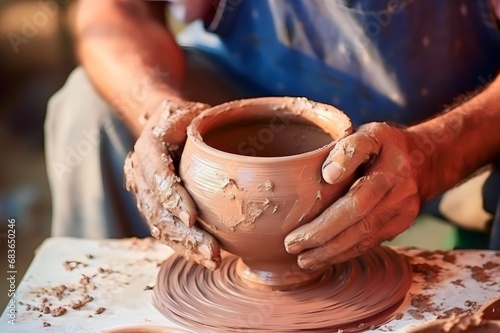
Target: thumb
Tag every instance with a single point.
(171, 127)
(348, 154)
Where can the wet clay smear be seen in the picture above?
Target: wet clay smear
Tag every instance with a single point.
(436, 255)
(482, 274)
(430, 273)
(360, 294)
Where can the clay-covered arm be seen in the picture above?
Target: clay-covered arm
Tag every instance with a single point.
(138, 68)
(129, 55)
(401, 169)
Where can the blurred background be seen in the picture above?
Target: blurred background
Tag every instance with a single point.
(36, 56)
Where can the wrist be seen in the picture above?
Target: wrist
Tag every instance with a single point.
(158, 103)
(443, 144)
(170, 115)
(424, 157)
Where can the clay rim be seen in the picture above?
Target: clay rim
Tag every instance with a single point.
(342, 120)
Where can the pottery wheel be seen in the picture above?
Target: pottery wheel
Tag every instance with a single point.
(353, 296)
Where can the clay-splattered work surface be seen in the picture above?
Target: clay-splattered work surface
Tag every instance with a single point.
(86, 285)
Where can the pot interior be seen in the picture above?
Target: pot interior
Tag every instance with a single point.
(263, 132)
(265, 138)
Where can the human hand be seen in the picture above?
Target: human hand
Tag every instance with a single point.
(381, 204)
(150, 175)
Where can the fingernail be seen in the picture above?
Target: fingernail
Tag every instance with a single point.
(292, 248)
(155, 232)
(292, 243)
(185, 217)
(332, 172)
(307, 262)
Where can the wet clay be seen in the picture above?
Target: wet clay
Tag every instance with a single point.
(354, 296)
(258, 139)
(486, 320)
(253, 167)
(465, 324)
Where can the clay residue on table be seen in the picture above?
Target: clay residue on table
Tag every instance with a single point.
(455, 312)
(438, 268)
(72, 264)
(79, 293)
(458, 282)
(423, 303)
(480, 274)
(416, 314)
(429, 272)
(464, 324)
(459, 320)
(57, 300)
(490, 265)
(446, 256)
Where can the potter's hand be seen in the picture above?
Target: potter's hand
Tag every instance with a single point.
(165, 204)
(381, 204)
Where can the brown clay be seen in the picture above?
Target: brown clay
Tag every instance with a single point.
(486, 320)
(351, 297)
(253, 167)
(464, 324)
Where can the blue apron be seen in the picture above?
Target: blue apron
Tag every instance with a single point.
(398, 61)
(377, 60)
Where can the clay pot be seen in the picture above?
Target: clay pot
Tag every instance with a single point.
(253, 167)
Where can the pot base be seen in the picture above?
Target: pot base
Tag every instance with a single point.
(352, 296)
(291, 278)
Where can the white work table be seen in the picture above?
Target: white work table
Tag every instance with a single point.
(118, 275)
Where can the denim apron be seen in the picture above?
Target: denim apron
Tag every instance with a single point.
(397, 61)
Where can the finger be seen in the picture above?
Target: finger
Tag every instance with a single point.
(361, 199)
(193, 243)
(159, 173)
(348, 154)
(128, 166)
(367, 234)
(365, 230)
(174, 120)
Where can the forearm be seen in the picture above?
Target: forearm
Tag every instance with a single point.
(459, 142)
(132, 60)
